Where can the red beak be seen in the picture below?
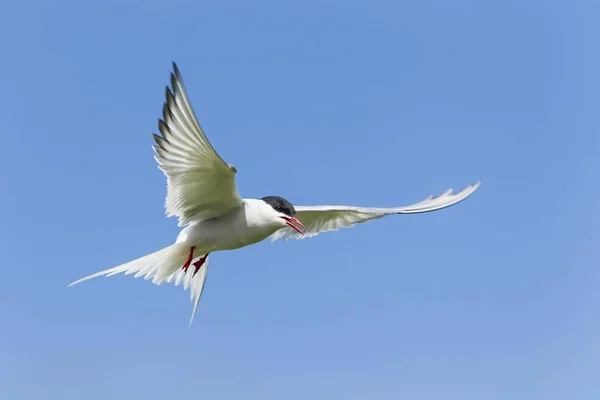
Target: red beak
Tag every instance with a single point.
(295, 224)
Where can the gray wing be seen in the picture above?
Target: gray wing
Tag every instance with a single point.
(319, 219)
(200, 184)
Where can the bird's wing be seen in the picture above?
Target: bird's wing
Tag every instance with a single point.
(200, 184)
(319, 219)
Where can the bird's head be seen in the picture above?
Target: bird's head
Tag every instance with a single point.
(284, 213)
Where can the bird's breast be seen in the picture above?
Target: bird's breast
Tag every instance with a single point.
(224, 233)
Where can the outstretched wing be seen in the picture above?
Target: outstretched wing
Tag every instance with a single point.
(319, 219)
(200, 184)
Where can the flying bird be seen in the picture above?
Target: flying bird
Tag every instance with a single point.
(202, 194)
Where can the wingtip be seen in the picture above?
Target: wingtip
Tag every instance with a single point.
(175, 69)
(75, 283)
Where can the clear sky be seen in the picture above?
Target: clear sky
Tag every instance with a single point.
(375, 103)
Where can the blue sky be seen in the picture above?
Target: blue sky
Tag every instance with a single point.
(376, 103)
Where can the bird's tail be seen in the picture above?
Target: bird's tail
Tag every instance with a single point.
(162, 266)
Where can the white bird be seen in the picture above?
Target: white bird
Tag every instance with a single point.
(201, 192)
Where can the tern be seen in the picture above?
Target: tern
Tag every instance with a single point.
(202, 194)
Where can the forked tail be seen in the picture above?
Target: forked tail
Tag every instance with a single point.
(164, 265)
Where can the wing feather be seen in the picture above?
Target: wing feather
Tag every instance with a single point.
(319, 219)
(200, 184)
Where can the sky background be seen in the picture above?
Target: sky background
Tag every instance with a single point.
(375, 103)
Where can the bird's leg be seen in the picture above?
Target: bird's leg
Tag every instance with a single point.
(198, 264)
(187, 263)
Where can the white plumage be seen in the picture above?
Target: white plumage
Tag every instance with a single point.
(201, 192)
(319, 219)
(200, 185)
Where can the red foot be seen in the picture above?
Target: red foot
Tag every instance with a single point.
(189, 260)
(198, 264)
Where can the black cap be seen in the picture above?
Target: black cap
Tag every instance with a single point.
(280, 204)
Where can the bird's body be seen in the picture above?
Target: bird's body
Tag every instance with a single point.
(245, 225)
(202, 193)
